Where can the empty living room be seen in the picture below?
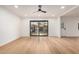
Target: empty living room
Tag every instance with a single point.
(39, 29)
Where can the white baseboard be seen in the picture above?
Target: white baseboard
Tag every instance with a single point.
(8, 41)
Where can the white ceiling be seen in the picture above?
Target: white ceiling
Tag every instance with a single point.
(24, 11)
(73, 12)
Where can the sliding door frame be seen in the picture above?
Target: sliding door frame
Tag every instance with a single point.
(39, 21)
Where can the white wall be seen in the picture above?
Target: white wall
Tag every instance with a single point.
(9, 26)
(71, 25)
(54, 26)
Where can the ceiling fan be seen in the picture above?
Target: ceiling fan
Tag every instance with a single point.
(40, 9)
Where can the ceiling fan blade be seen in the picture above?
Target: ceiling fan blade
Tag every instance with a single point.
(40, 10)
(44, 11)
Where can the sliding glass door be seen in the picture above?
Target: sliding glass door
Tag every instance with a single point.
(39, 28)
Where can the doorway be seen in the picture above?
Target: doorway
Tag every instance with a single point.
(39, 28)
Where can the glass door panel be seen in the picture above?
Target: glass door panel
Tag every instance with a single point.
(39, 28)
(43, 29)
(34, 28)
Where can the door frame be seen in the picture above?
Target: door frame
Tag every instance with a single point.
(39, 21)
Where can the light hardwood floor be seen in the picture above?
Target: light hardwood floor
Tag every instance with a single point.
(42, 45)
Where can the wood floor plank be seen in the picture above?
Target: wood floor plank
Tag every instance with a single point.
(42, 45)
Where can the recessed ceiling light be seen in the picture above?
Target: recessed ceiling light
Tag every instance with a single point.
(16, 6)
(62, 7)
